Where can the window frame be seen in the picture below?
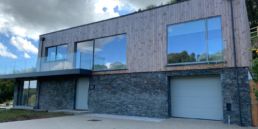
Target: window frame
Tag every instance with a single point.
(82, 41)
(93, 54)
(206, 43)
(94, 44)
(20, 96)
(55, 59)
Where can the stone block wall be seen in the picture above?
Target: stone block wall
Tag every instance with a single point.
(57, 94)
(146, 94)
(142, 94)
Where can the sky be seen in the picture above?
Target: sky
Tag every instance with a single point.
(22, 21)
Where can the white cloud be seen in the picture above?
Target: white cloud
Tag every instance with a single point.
(28, 19)
(108, 64)
(109, 5)
(144, 3)
(4, 52)
(27, 56)
(23, 45)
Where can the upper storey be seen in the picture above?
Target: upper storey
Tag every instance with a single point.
(195, 34)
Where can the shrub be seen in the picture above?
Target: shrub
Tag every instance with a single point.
(6, 90)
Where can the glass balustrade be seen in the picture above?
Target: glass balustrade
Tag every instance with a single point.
(71, 61)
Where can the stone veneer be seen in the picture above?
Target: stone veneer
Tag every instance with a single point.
(145, 94)
(56, 94)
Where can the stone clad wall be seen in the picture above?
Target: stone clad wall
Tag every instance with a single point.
(146, 94)
(57, 94)
(143, 94)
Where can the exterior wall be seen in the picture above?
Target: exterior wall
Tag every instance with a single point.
(56, 94)
(147, 34)
(146, 94)
(142, 94)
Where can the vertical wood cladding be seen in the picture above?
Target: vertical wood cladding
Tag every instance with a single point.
(147, 33)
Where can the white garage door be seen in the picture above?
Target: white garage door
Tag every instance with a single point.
(199, 97)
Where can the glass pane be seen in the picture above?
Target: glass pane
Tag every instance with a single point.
(51, 54)
(84, 55)
(110, 53)
(215, 39)
(32, 93)
(62, 52)
(186, 42)
(25, 92)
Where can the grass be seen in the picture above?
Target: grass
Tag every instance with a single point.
(19, 115)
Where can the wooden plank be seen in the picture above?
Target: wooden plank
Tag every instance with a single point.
(147, 33)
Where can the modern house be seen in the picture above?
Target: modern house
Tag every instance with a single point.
(189, 60)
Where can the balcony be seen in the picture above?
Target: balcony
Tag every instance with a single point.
(71, 64)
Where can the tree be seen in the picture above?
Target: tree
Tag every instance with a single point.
(151, 6)
(181, 57)
(252, 9)
(117, 65)
(6, 90)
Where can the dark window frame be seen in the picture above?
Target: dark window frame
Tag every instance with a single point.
(206, 34)
(106, 70)
(94, 42)
(82, 41)
(56, 47)
(21, 95)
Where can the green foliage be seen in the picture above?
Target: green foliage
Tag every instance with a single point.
(256, 93)
(117, 65)
(255, 69)
(150, 6)
(252, 8)
(172, 1)
(6, 90)
(181, 57)
(16, 115)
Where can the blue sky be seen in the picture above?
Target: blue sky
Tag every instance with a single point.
(21, 23)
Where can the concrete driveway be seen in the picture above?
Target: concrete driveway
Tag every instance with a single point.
(115, 122)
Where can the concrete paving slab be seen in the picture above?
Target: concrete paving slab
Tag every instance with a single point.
(97, 122)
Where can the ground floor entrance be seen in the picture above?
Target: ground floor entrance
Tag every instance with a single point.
(82, 89)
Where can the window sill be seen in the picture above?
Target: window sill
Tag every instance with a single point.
(199, 63)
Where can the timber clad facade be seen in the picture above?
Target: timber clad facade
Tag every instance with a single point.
(177, 60)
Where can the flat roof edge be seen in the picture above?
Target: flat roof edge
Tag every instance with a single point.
(136, 12)
(48, 74)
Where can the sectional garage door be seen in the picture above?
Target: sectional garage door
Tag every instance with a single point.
(198, 97)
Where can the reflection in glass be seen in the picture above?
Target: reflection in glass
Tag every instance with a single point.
(110, 53)
(187, 42)
(51, 54)
(29, 93)
(215, 39)
(84, 54)
(62, 52)
(197, 41)
(57, 53)
(32, 93)
(25, 92)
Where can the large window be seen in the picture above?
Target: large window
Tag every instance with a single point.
(29, 93)
(110, 53)
(57, 53)
(84, 54)
(195, 42)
